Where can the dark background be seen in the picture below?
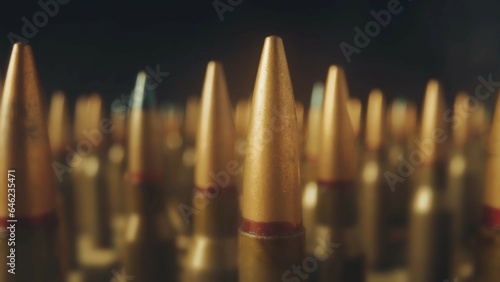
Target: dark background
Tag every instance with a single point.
(100, 45)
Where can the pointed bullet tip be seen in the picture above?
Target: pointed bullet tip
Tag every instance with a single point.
(216, 130)
(433, 123)
(273, 39)
(337, 161)
(143, 95)
(375, 120)
(58, 123)
(214, 64)
(273, 49)
(317, 94)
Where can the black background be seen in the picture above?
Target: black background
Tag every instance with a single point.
(100, 45)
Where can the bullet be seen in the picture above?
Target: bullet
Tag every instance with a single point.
(59, 126)
(311, 152)
(488, 243)
(313, 120)
(116, 163)
(95, 243)
(183, 191)
(172, 116)
(92, 192)
(28, 245)
(429, 241)
(59, 132)
(476, 153)
(354, 110)
(374, 192)
(191, 121)
(271, 236)
(337, 211)
(462, 190)
(401, 119)
(374, 131)
(149, 248)
(213, 252)
(115, 169)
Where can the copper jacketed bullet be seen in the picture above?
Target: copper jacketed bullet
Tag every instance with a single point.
(488, 245)
(374, 191)
(476, 154)
(462, 189)
(59, 131)
(28, 204)
(313, 129)
(336, 213)
(271, 237)
(149, 249)
(89, 157)
(309, 193)
(213, 253)
(401, 118)
(429, 243)
(115, 169)
(92, 190)
(174, 144)
(183, 190)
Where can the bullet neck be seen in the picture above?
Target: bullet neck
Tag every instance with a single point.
(270, 229)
